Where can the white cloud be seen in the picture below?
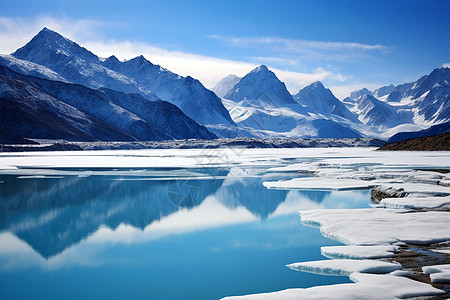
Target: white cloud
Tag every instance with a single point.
(447, 65)
(293, 45)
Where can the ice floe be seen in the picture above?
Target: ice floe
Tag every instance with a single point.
(359, 252)
(374, 226)
(345, 266)
(438, 273)
(366, 286)
(313, 183)
(415, 202)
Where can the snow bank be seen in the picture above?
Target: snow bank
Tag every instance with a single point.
(341, 267)
(379, 226)
(438, 273)
(359, 252)
(366, 286)
(325, 184)
(415, 202)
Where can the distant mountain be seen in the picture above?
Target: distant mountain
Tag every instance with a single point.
(187, 93)
(384, 90)
(58, 110)
(76, 64)
(261, 103)
(374, 112)
(29, 68)
(225, 84)
(319, 99)
(424, 102)
(262, 86)
(433, 130)
(357, 94)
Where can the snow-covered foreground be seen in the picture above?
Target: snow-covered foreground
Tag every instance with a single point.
(372, 236)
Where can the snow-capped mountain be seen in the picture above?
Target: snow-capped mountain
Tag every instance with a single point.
(420, 104)
(356, 94)
(78, 65)
(225, 84)
(29, 68)
(374, 112)
(384, 90)
(38, 108)
(260, 103)
(321, 100)
(261, 85)
(187, 93)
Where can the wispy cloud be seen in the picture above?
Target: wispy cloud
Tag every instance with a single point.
(293, 45)
(305, 49)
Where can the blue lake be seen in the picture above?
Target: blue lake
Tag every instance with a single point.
(161, 233)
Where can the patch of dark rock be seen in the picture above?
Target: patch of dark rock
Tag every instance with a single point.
(442, 171)
(413, 257)
(440, 142)
(53, 147)
(378, 193)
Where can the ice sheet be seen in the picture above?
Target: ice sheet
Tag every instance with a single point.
(359, 252)
(317, 183)
(415, 202)
(341, 267)
(379, 226)
(438, 273)
(366, 286)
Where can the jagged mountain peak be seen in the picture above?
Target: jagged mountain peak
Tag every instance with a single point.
(313, 87)
(261, 68)
(225, 84)
(356, 94)
(261, 82)
(112, 58)
(47, 45)
(140, 59)
(317, 84)
(318, 99)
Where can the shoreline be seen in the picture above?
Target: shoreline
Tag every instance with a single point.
(395, 242)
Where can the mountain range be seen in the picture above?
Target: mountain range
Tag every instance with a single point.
(267, 109)
(52, 88)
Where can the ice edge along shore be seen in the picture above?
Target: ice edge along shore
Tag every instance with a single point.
(399, 248)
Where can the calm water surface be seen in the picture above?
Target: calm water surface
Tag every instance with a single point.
(157, 233)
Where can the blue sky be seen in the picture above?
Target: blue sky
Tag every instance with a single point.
(345, 44)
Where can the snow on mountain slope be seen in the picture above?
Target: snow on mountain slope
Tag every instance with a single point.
(187, 93)
(261, 85)
(409, 106)
(225, 84)
(320, 100)
(29, 68)
(43, 116)
(374, 112)
(383, 91)
(73, 62)
(78, 65)
(127, 116)
(285, 121)
(261, 104)
(356, 94)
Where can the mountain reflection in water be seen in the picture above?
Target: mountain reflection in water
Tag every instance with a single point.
(54, 213)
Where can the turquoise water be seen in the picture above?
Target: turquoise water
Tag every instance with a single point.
(157, 234)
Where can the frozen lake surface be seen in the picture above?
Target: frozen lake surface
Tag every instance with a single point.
(172, 224)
